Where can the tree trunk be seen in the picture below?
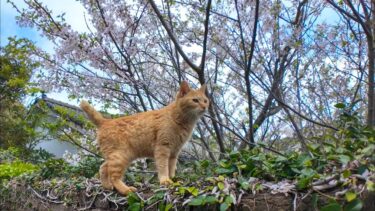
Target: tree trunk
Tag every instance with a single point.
(371, 69)
(371, 87)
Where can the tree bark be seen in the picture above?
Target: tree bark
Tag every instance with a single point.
(371, 69)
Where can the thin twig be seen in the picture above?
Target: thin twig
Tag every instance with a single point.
(43, 198)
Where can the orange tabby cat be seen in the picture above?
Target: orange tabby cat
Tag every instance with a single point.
(159, 134)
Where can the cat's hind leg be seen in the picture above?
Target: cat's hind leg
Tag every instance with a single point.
(117, 164)
(104, 176)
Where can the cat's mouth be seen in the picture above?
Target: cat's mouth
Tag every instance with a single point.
(202, 111)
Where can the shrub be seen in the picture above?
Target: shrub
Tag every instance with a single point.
(88, 166)
(9, 155)
(16, 168)
(38, 156)
(55, 168)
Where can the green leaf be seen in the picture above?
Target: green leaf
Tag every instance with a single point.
(234, 155)
(245, 185)
(228, 199)
(224, 164)
(346, 173)
(313, 147)
(355, 205)
(259, 187)
(307, 163)
(344, 159)
(350, 196)
(303, 183)
(314, 200)
(135, 207)
(176, 184)
(370, 185)
(205, 163)
(331, 207)
(194, 191)
(281, 159)
(220, 185)
(211, 200)
(197, 201)
(182, 190)
(224, 206)
(308, 172)
(225, 170)
(243, 166)
(340, 105)
(132, 198)
(168, 207)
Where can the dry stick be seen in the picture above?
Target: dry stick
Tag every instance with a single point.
(326, 186)
(320, 182)
(326, 195)
(43, 198)
(90, 205)
(358, 176)
(306, 195)
(295, 201)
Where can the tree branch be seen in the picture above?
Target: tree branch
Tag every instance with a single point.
(173, 38)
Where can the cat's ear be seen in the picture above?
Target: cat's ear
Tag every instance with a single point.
(184, 89)
(203, 88)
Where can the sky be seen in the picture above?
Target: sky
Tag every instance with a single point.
(8, 28)
(74, 16)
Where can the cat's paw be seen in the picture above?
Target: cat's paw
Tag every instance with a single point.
(127, 190)
(132, 189)
(107, 185)
(165, 181)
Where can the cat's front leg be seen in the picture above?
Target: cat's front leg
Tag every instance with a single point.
(172, 166)
(162, 154)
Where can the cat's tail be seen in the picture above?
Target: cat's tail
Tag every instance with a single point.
(93, 115)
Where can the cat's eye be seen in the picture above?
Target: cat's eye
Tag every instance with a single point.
(196, 100)
(205, 101)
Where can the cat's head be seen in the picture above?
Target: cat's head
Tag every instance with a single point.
(192, 101)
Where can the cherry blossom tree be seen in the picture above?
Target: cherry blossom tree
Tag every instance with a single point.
(274, 69)
(359, 18)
